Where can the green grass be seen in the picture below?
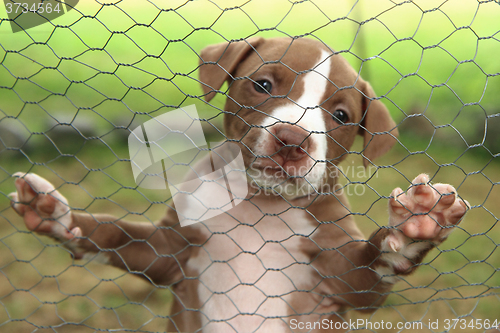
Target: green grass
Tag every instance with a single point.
(101, 71)
(458, 276)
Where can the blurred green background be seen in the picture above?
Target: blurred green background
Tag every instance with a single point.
(72, 89)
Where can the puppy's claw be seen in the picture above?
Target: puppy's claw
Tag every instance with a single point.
(393, 246)
(76, 232)
(396, 205)
(14, 202)
(466, 203)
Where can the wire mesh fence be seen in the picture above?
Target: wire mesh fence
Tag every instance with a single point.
(73, 89)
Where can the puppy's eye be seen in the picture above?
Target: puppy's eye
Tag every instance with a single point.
(340, 116)
(263, 86)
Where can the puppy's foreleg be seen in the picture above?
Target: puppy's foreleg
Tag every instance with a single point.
(419, 219)
(150, 250)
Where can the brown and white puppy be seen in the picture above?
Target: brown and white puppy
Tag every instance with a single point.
(290, 256)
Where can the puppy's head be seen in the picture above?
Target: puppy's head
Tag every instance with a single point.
(295, 108)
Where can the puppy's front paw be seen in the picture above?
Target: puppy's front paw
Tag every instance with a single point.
(43, 208)
(419, 219)
(426, 212)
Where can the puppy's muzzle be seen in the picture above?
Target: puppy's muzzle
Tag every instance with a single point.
(291, 143)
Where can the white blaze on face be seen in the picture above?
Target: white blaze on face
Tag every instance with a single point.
(306, 113)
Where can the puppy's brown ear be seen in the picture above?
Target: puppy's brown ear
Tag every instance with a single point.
(377, 127)
(219, 62)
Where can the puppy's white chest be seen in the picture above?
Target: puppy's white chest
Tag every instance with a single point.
(249, 271)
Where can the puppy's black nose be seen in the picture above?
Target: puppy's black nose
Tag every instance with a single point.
(291, 142)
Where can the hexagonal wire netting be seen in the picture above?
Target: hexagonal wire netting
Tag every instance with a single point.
(74, 88)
